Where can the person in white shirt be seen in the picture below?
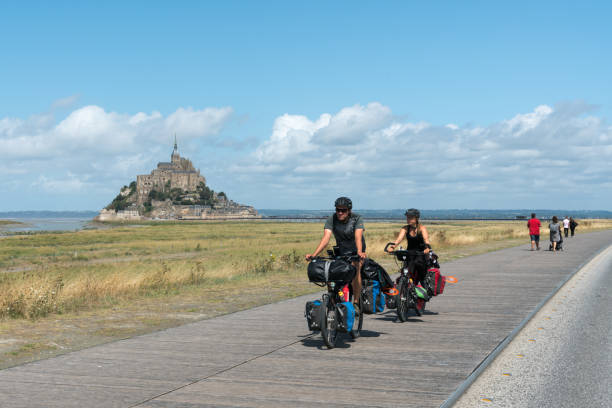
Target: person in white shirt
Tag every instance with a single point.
(566, 224)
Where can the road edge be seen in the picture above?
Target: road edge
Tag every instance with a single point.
(480, 368)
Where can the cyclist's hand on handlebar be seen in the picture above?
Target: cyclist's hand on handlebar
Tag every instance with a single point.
(362, 255)
(309, 257)
(390, 249)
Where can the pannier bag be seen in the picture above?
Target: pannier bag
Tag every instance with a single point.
(325, 270)
(421, 293)
(373, 271)
(391, 301)
(345, 313)
(434, 282)
(313, 315)
(373, 300)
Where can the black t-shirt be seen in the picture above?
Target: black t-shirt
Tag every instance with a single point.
(417, 242)
(344, 232)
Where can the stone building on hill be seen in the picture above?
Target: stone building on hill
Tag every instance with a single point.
(179, 173)
(174, 190)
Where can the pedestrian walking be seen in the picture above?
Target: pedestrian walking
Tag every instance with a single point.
(566, 225)
(555, 233)
(534, 232)
(573, 224)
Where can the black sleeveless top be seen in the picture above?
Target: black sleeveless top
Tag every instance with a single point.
(417, 242)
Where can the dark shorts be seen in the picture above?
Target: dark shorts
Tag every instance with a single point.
(535, 237)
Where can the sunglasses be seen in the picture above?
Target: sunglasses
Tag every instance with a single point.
(341, 210)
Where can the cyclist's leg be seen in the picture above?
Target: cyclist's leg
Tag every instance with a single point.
(356, 284)
(420, 269)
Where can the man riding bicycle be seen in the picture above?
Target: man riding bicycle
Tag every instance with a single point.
(417, 239)
(347, 228)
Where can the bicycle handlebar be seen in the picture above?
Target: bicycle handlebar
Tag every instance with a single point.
(403, 252)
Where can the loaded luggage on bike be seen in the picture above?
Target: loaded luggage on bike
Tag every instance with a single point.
(434, 281)
(378, 289)
(335, 312)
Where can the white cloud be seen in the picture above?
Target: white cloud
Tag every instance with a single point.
(541, 157)
(69, 184)
(91, 130)
(364, 147)
(92, 148)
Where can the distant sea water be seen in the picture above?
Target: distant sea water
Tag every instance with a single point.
(34, 221)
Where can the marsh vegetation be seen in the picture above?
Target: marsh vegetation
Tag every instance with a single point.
(62, 273)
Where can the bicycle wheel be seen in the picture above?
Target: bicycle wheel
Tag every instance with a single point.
(403, 301)
(419, 307)
(328, 322)
(356, 332)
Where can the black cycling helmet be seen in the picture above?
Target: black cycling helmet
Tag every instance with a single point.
(413, 212)
(343, 202)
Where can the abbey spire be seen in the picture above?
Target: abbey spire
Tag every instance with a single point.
(175, 158)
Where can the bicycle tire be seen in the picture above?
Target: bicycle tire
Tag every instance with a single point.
(403, 300)
(419, 307)
(328, 322)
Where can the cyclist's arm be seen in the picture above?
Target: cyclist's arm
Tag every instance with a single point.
(400, 237)
(324, 241)
(426, 239)
(358, 242)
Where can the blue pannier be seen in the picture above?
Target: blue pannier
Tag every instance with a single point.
(373, 298)
(346, 316)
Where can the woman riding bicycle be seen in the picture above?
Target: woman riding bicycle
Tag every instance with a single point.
(418, 239)
(347, 228)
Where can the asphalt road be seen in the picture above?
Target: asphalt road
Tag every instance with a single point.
(563, 357)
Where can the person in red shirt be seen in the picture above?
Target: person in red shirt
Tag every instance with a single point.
(534, 231)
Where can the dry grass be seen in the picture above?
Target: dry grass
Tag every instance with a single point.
(85, 270)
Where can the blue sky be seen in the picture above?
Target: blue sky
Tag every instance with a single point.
(287, 105)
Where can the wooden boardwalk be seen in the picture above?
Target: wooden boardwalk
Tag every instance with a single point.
(266, 357)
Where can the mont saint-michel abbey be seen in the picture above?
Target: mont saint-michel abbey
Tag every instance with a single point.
(174, 190)
(179, 173)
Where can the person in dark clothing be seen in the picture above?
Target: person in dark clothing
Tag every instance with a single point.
(555, 233)
(417, 238)
(348, 229)
(573, 224)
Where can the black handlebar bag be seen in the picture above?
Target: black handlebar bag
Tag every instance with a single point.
(326, 270)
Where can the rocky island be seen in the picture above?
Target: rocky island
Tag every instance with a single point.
(173, 191)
